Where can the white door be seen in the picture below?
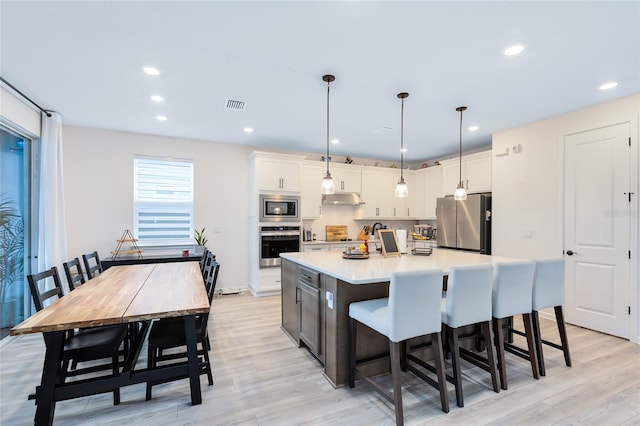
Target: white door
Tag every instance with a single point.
(596, 229)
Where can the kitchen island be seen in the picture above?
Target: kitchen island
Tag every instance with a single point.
(317, 288)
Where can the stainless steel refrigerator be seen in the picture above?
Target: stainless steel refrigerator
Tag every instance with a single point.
(465, 225)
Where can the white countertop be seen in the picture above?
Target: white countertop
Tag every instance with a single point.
(378, 268)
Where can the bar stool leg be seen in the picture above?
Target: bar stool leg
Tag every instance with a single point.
(352, 352)
(436, 345)
(528, 328)
(455, 361)
(394, 349)
(563, 334)
(488, 342)
(499, 339)
(535, 319)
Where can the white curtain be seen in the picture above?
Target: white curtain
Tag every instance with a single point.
(52, 244)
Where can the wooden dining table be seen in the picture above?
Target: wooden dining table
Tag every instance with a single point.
(119, 295)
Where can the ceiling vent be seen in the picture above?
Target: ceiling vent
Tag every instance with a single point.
(235, 105)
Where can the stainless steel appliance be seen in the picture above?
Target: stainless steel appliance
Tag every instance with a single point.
(279, 208)
(465, 225)
(275, 240)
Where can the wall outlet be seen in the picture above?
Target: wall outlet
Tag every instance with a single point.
(329, 297)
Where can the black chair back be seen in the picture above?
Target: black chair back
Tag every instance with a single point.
(96, 268)
(203, 259)
(41, 296)
(212, 278)
(74, 278)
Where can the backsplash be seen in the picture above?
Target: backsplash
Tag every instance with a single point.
(343, 215)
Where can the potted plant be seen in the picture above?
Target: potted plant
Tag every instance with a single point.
(11, 259)
(201, 241)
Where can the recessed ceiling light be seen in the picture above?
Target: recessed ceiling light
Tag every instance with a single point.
(157, 98)
(161, 117)
(608, 85)
(335, 140)
(248, 129)
(403, 150)
(151, 70)
(513, 50)
(473, 128)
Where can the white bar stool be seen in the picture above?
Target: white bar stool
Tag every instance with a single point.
(467, 302)
(548, 292)
(411, 310)
(512, 295)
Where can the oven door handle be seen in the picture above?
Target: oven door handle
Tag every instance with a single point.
(280, 233)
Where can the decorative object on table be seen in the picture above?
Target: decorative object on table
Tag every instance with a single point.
(328, 185)
(201, 240)
(349, 160)
(388, 242)
(356, 252)
(127, 237)
(402, 191)
(461, 192)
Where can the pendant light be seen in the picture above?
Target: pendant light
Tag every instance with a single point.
(401, 189)
(461, 193)
(328, 186)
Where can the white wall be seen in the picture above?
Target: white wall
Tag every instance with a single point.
(527, 186)
(98, 178)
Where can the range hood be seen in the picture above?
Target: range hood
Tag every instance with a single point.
(343, 198)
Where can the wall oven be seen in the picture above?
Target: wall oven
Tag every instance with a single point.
(275, 240)
(279, 208)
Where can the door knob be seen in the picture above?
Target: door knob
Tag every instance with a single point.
(571, 253)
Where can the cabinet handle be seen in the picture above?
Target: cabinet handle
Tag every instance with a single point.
(297, 294)
(467, 184)
(409, 212)
(394, 211)
(320, 210)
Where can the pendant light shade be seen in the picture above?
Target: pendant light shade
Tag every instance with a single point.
(461, 192)
(328, 186)
(402, 191)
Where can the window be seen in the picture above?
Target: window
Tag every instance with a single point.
(163, 201)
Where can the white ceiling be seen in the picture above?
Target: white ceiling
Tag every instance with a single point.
(84, 59)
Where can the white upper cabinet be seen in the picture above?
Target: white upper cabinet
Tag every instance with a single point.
(432, 178)
(310, 197)
(476, 173)
(346, 177)
(377, 193)
(277, 173)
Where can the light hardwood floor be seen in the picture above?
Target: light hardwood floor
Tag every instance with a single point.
(261, 378)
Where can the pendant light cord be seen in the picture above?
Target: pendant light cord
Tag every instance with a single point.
(402, 141)
(460, 151)
(328, 88)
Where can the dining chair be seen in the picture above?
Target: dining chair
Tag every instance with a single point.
(512, 295)
(467, 302)
(92, 264)
(89, 344)
(411, 310)
(169, 333)
(74, 278)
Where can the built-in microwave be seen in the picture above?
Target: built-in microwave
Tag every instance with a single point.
(279, 208)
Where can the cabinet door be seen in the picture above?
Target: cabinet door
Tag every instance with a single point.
(477, 172)
(347, 180)
(269, 177)
(451, 177)
(416, 205)
(432, 190)
(290, 175)
(290, 300)
(310, 316)
(310, 197)
(377, 192)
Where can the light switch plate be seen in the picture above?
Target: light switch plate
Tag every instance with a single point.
(329, 297)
